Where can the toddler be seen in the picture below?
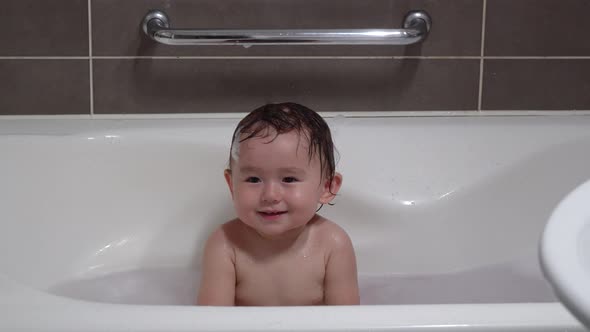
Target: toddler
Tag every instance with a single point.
(279, 251)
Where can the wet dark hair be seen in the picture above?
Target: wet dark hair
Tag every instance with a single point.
(284, 118)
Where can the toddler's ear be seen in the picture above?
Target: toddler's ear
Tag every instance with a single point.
(331, 189)
(227, 175)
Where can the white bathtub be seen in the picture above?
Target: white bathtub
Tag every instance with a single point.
(103, 222)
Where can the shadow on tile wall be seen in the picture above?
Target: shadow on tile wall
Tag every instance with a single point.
(49, 68)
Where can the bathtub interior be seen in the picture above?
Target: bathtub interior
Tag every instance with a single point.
(440, 210)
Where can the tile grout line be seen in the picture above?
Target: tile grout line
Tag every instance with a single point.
(90, 60)
(431, 57)
(286, 57)
(44, 57)
(481, 60)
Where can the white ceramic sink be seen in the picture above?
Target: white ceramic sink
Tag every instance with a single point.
(565, 252)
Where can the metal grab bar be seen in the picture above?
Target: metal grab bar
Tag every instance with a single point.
(415, 28)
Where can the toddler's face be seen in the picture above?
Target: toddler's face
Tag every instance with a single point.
(274, 185)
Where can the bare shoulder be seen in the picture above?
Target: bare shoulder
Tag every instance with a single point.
(227, 230)
(223, 237)
(331, 234)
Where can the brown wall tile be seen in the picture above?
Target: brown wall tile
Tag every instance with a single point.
(238, 85)
(544, 84)
(44, 28)
(537, 28)
(456, 25)
(44, 87)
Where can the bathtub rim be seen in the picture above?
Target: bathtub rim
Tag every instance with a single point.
(326, 114)
(28, 309)
(57, 125)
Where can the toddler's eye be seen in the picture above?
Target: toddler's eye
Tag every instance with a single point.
(253, 179)
(289, 179)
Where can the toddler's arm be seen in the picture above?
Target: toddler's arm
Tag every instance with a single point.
(341, 284)
(218, 276)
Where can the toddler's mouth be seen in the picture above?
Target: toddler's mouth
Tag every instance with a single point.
(271, 213)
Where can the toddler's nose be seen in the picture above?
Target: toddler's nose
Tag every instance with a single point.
(271, 193)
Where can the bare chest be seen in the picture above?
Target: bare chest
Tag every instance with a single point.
(283, 280)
